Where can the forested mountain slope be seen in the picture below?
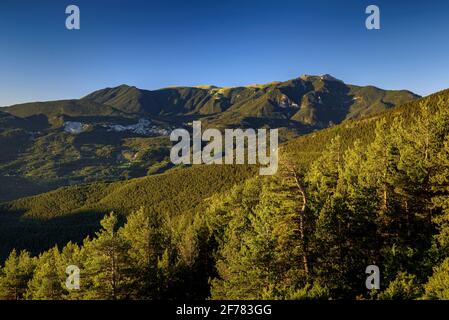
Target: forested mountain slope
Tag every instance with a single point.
(71, 213)
(171, 192)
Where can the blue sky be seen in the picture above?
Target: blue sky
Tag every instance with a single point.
(154, 44)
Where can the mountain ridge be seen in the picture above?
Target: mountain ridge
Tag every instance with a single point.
(316, 101)
(305, 100)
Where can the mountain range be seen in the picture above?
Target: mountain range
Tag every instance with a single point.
(309, 100)
(317, 101)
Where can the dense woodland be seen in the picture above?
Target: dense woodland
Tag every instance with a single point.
(307, 233)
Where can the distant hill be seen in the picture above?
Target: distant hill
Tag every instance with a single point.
(9, 121)
(55, 112)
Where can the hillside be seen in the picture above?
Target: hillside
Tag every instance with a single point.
(71, 213)
(306, 148)
(83, 205)
(57, 111)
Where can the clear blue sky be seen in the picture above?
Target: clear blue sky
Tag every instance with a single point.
(154, 44)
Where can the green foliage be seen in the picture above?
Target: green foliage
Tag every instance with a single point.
(107, 263)
(404, 287)
(438, 285)
(259, 254)
(310, 292)
(150, 246)
(152, 256)
(47, 283)
(15, 274)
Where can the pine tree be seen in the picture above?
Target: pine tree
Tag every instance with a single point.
(440, 182)
(193, 246)
(293, 189)
(378, 178)
(323, 176)
(414, 181)
(437, 288)
(441, 199)
(345, 234)
(48, 282)
(403, 287)
(148, 238)
(376, 172)
(260, 257)
(107, 265)
(14, 276)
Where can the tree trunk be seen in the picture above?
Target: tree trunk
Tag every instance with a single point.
(302, 212)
